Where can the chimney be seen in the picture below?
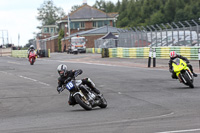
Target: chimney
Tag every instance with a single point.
(84, 2)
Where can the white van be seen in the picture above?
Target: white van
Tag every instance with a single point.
(78, 44)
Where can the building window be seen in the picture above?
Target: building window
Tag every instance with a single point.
(100, 23)
(46, 29)
(94, 24)
(74, 25)
(52, 30)
(106, 22)
(82, 25)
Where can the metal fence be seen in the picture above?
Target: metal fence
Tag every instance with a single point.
(175, 34)
(106, 43)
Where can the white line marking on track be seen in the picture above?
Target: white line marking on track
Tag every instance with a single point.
(34, 80)
(181, 131)
(13, 62)
(130, 120)
(27, 78)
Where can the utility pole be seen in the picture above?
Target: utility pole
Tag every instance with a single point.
(68, 26)
(3, 36)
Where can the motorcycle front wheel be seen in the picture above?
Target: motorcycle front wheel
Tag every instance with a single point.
(31, 61)
(189, 82)
(103, 103)
(83, 102)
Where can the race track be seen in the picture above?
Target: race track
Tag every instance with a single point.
(140, 99)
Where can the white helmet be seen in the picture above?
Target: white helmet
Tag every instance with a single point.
(31, 46)
(62, 69)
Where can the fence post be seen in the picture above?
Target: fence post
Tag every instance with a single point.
(149, 61)
(172, 33)
(184, 29)
(151, 32)
(190, 31)
(154, 57)
(166, 33)
(156, 35)
(178, 30)
(160, 33)
(197, 31)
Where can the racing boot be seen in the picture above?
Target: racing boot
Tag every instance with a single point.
(174, 76)
(92, 86)
(71, 101)
(194, 74)
(96, 90)
(191, 68)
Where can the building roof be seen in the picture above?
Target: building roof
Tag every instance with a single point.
(88, 12)
(109, 35)
(97, 31)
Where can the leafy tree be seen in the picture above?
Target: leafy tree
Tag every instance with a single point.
(99, 4)
(60, 36)
(180, 15)
(170, 9)
(157, 18)
(75, 7)
(124, 22)
(117, 6)
(145, 12)
(48, 13)
(110, 6)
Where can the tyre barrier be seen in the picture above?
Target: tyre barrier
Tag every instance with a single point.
(143, 52)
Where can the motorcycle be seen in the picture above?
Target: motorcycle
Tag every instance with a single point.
(32, 57)
(83, 95)
(183, 72)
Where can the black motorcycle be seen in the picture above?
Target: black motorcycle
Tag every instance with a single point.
(83, 95)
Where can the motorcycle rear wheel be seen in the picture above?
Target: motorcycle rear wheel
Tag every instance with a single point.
(79, 100)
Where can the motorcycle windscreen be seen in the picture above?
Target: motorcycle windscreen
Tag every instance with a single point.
(70, 86)
(178, 65)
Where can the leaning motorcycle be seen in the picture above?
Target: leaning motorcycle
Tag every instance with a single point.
(183, 72)
(84, 96)
(32, 57)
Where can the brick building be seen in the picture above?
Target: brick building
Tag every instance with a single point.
(85, 21)
(91, 35)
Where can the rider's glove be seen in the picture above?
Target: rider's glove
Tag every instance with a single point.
(59, 89)
(78, 72)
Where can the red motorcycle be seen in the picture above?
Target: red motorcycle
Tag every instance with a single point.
(32, 57)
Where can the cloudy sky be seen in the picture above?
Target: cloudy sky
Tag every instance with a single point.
(18, 18)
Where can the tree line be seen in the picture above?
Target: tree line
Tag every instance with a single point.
(134, 13)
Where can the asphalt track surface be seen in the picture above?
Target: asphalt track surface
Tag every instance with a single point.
(140, 99)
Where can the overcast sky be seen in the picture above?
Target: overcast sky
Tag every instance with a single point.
(18, 18)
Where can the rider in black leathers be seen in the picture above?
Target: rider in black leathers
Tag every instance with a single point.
(173, 56)
(65, 74)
